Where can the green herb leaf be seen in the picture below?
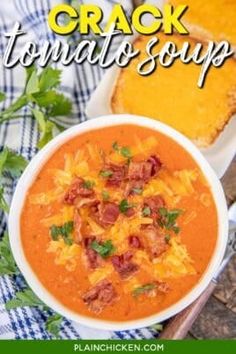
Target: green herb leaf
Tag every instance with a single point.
(125, 151)
(88, 184)
(146, 211)
(46, 127)
(138, 191)
(157, 326)
(41, 90)
(61, 106)
(3, 159)
(163, 211)
(168, 219)
(3, 204)
(53, 325)
(2, 96)
(32, 84)
(45, 99)
(7, 262)
(24, 298)
(143, 289)
(63, 231)
(106, 173)
(105, 195)
(29, 71)
(104, 249)
(49, 78)
(115, 146)
(11, 163)
(167, 238)
(124, 206)
(15, 106)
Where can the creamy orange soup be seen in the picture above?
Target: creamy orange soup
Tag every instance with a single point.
(119, 223)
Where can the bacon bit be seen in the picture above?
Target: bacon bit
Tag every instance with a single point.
(154, 204)
(105, 214)
(144, 170)
(87, 202)
(118, 174)
(77, 189)
(155, 241)
(109, 213)
(100, 296)
(140, 171)
(134, 241)
(131, 186)
(123, 264)
(93, 258)
(77, 227)
(156, 164)
(130, 212)
(163, 287)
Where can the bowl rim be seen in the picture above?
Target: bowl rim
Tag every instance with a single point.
(39, 161)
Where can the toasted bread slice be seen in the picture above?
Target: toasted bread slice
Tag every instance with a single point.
(213, 20)
(172, 96)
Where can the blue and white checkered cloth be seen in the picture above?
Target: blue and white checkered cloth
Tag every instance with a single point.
(21, 135)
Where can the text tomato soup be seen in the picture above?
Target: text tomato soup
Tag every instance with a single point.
(120, 223)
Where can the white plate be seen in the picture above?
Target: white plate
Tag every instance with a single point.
(219, 154)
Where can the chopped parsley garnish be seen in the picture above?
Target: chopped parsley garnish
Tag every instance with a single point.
(64, 231)
(143, 289)
(167, 238)
(124, 206)
(125, 151)
(168, 219)
(105, 195)
(104, 249)
(122, 150)
(88, 184)
(146, 211)
(106, 173)
(137, 190)
(115, 146)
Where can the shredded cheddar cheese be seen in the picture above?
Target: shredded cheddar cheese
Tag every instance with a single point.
(64, 254)
(66, 214)
(175, 263)
(100, 273)
(47, 197)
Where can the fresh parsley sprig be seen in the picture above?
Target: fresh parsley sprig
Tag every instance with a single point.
(28, 298)
(122, 150)
(45, 102)
(7, 262)
(11, 165)
(104, 249)
(144, 289)
(124, 206)
(25, 297)
(64, 231)
(168, 219)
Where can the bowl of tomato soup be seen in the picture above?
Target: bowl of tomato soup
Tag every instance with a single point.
(118, 223)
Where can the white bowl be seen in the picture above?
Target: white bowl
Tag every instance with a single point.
(38, 162)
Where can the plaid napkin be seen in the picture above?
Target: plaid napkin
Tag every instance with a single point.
(21, 135)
